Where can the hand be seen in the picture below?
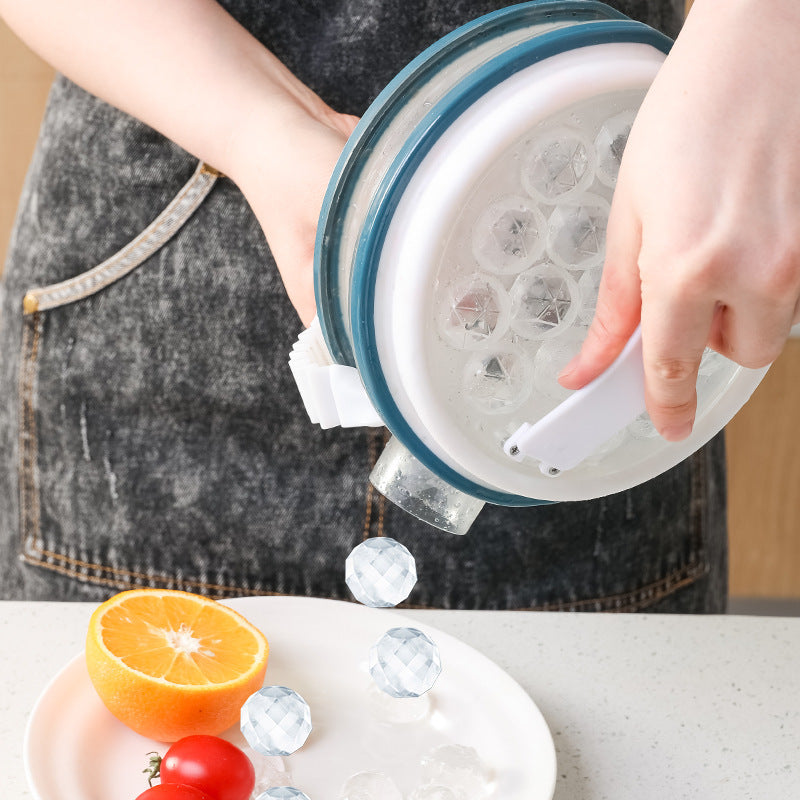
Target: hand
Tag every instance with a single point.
(703, 240)
(284, 174)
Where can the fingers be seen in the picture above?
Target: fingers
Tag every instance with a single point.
(675, 329)
(348, 123)
(618, 301)
(343, 123)
(760, 289)
(753, 331)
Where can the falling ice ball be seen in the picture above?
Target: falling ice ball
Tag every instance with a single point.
(380, 572)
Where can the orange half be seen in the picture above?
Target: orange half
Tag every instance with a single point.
(171, 664)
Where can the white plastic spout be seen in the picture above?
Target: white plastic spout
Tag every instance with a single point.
(572, 431)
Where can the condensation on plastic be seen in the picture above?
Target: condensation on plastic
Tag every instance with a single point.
(400, 128)
(402, 479)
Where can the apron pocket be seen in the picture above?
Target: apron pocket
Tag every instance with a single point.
(162, 439)
(37, 303)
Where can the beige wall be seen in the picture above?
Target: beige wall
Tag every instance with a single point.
(24, 82)
(764, 484)
(763, 440)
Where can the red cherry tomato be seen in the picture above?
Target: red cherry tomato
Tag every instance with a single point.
(173, 791)
(213, 765)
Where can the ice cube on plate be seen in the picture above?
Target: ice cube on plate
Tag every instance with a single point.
(433, 792)
(283, 793)
(398, 710)
(370, 786)
(404, 662)
(460, 769)
(275, 721)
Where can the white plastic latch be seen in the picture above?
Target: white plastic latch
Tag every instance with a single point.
(590, 416)
(332, 393)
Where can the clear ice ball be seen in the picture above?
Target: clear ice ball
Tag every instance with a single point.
(270, 771)
(498, 382)
(560, 164)
(404, 662)
(589, 286)
(550, 359)
(711, 363)
(398, 710)
(473, 311)
(577, 233)
(607, 448)
(283, 793)
(714, 372)
(642, 427)
(460, 769)
(610, 145)
(275, 721)
(370, 786)
(544, 301)
(433, 792)
(509, 235)
(380, 572)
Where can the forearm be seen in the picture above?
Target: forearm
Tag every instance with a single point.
(184, 67)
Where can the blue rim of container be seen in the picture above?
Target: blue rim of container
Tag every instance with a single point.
(392, 188)
(382, 112)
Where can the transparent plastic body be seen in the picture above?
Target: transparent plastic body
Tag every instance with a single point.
(377, 154)
(464, 403)
(409, 484)
(478, 275)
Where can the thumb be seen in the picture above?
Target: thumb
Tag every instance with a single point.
(619, 299)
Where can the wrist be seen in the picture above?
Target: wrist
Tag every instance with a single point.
(249, 107)
(258, 142)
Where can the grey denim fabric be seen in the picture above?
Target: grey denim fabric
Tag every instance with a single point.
(150, 430)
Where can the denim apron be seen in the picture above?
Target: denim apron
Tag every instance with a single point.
(150, 430)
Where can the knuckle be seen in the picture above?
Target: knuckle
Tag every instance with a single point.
(673, 370)
(668, 413)
(757, 359)
(693, 263)
(780, 276)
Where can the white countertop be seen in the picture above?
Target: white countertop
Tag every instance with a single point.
(641, 707)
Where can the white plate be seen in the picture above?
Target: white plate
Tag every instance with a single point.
(76, 750)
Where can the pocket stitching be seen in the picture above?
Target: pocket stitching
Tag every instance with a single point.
(146, 579)
(133, 254)
(28, 446)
